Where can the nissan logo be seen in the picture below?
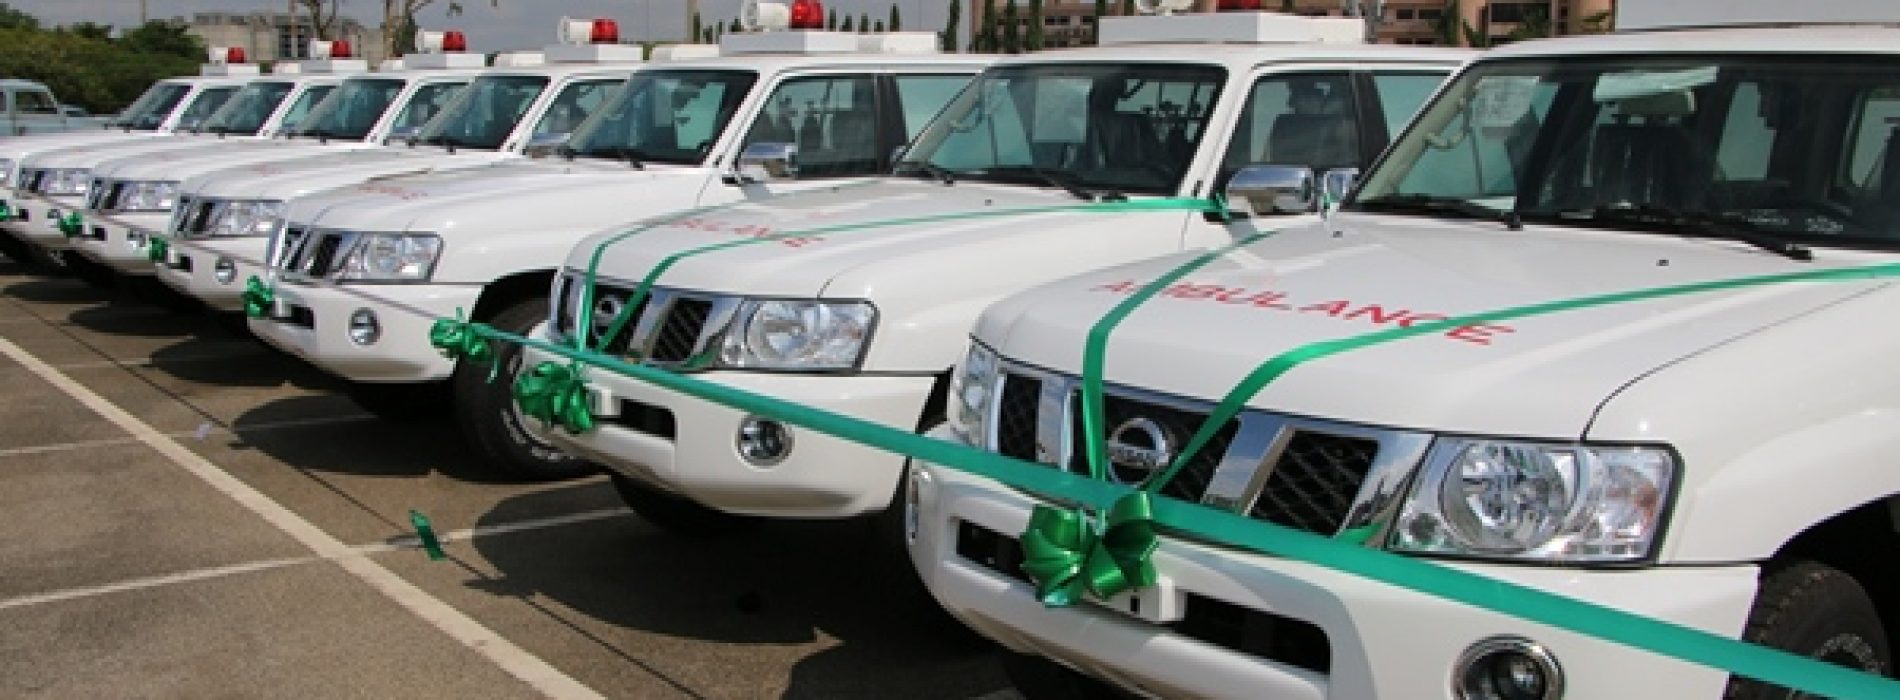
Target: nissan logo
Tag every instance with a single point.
(607, 310)
(1139, 447)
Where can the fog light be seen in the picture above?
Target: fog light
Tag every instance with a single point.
(1507, 668)
(135, 240)
(764, 442)
(225, 271)
(364, 329)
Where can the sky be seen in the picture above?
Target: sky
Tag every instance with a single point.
(501, 26)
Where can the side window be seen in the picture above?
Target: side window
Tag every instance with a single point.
(1301, 119)
(301, 108)
(1746, 137)
(427, 102)
(993, 133)
(1401, 95)
(832, 120)
(922, 96)
(35, 102)
(695, 114)
(1872, 145)
(572, 106)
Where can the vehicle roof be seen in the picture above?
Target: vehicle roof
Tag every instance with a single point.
(562, 70)
(21, 82)
(781, 61)
(1809, 39)
(1236, 55)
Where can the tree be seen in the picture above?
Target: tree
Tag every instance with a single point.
(91, 30)
(399, 22)
(880, 27)
(700, 31)
(167, 38)
(1535, 25)
(831, 19)
(323, 15)
(864, 22)
(735, 27)
(847, 24)
(948, 39)
(1448, 25)
(15, 19)
(1600, 22)
(1033, 42)
(1101, 8)
(1012, 30)
(1128, 7)
(896, 23)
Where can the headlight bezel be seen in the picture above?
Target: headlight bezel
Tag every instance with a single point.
(353, 268)
(66, 182)
(979, 374)
(166, 192)
(244, 218)
(1424, 496)
(736, 339)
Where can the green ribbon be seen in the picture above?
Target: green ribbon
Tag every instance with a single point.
(1232, 529)
(156, 247)
(71, 224)
(453, 337)
(556, 395)
(6, 212)
(258, 297)
(1065, 556)
(425, 532)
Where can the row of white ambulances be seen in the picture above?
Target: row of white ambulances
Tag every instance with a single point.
(216, 246)
(1605, 321)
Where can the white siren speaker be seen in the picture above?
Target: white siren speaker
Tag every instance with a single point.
(574, 31)
(1162, 7)
(759, 16)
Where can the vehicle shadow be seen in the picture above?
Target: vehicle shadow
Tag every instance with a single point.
(57, 290)
(222, 358)
(786, 584)
(335, 441)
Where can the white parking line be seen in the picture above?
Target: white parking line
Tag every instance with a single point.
(201, 433)
(360, 550)
(464, 629)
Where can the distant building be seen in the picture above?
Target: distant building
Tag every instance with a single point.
(1427, 22)
(278, 36)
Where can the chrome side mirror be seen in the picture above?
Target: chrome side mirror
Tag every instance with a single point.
(1334, 185)
(1259, 190)
(897, 155)
(766, 162)
(544, 145)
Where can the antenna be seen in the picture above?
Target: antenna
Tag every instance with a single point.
(1162, 7)
(759, 16)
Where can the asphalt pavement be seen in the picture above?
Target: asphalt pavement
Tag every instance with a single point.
(187, 514)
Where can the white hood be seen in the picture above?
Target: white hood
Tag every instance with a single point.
(179, 164)
(1542, 376)
(297, 177)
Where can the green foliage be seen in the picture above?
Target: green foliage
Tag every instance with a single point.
(864, 22)
(1033, 42)
(846, 27)
(880, 27)
(947, 40)
(1012, 33)
(1536, 25)
(1101, 8)
(897, 24)
(92, 71)
(89, 30)
(700, 31)
(1448, 25)
(831, 19)
(735, 27)
(1600, 22)
(15, 19)
(1128, 7)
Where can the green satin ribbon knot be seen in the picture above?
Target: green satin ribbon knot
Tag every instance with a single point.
(71, 224)
(556, 395)
(6, 212)
(156, 247)
(258, 298)
(457, 339)
(1065, 556)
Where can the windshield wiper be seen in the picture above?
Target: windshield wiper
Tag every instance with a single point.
(1700, 223)
(633, 156)
(942, 174)
(1062, 180)
(1439, 206)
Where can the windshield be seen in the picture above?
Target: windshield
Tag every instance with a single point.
(1129, 127)
(207, 103)
(1803, 149)
(352, 110)
(482, 116)
(665, 116)
(306, 101)
(246, 111)
(150, 109)
(423, 104)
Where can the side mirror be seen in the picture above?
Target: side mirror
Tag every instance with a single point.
(1334, 185)
(897, 155)
(544, 145)
(1258, 190)
(404, 134)
(766, 162)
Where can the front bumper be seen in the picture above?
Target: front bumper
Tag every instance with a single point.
(119, 241)
(687, 446)
(192, 265)
(1383, 642)
(40, 225)
(312, 321)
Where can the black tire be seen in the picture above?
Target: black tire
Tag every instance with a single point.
(677, 515)
(485, 410)
(400, 403)
(1818, 611)
(1038, 678)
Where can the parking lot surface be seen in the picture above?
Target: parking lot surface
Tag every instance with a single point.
(184, 513)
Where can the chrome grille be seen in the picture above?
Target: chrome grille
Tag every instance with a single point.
(666, 328)
(282, 242)
(315, 254)
(196, 219)
(32, 179)
(1314, 475)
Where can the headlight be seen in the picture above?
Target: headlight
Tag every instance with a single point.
(972, 388)
(392, 257)
(69, 181)
(1554, 503)
(148, 196)
(798, 334)
(6, 172)
(246, 218)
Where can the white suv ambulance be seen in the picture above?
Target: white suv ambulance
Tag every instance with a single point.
(364, 272)
(1606, 321)
(132, 199)
(858, 299)
(217, 244)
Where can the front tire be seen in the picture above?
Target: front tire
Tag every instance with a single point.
(677, 515)
(485, 410)
(1814, 610)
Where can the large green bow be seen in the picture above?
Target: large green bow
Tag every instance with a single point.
(156, 247)
(258, 297)
(457, 340)
(555, 394)
(6, 212)
(1066, 556)
(71, 224)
